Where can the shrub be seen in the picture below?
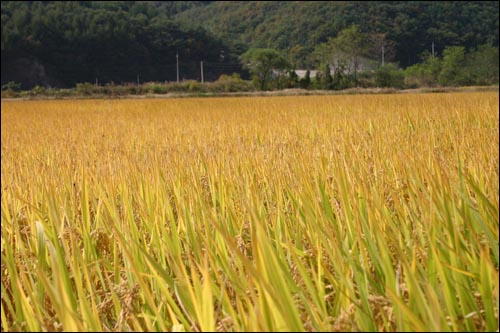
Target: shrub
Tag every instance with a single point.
(156, 88)
(9, 93)
(423, 74)
(233, 83)
(389, 76)
(85, 88)
(11, 85)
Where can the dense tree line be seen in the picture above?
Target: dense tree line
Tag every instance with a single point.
(62, 43)
(456, 67)
(297, 27)
(346, 61)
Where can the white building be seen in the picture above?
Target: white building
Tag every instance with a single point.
(301, 73)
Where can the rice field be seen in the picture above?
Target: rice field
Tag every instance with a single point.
(305, 213)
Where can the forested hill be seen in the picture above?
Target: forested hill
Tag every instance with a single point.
(299, 26)
(62, 43)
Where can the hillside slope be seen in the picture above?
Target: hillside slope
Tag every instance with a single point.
(411, 25)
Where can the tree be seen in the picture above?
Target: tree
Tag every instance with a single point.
(452, 69)
(305, 83)
(351, 45)
(264, 65)
(61, 43)
(376, 42)
(298, 54)
(326, 79)
(293, 78)
(345, 52)
(482, 65)
(389, 76)
(425, 73)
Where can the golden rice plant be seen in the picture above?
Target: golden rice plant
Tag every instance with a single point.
(313, 213)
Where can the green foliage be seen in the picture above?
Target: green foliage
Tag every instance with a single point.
(452, 68)
(11, 85)
(456, 67)
(195, 86)
(156, 88)
(325, 78)
(305, 82)
(349, 46)
(135, 89)
(8, 93)
(424, 74)
(344, 54)
(299, 26)
(389, 76)
(38, 90)
(340, 79)
(226, 83)
(265, 65)
(345, 50)
(293, 79)
(64, 43)
(86, 88)
(59, 44)
(482, 65)
(232, 83)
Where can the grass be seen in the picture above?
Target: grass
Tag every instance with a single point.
(305, 213)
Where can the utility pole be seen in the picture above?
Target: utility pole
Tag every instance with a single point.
(137, 79)
(201, 63)
(432, 50)
(96, 82)
(383, 58)
(177, 57)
